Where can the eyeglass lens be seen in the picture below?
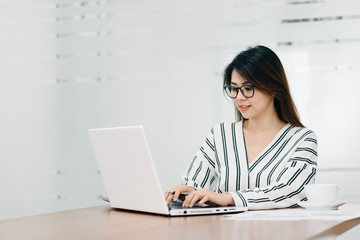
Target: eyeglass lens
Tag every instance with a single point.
(247, 91)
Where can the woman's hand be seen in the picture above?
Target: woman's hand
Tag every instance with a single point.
(176, 191)
(205, 195)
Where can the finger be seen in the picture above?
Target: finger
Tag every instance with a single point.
(187, 200)
(204, 200)
(169, 198)
(194, 200)
(177, 194)
(168, 193)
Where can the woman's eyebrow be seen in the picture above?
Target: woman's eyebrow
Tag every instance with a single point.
(243, 84)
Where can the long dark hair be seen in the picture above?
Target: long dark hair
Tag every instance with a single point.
(262, 68)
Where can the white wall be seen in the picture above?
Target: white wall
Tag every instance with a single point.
(66, 66)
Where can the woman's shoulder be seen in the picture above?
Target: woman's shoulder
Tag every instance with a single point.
(301, 131)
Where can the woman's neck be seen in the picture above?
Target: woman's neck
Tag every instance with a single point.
(263, 124)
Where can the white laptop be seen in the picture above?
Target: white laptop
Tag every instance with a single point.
(130, 176)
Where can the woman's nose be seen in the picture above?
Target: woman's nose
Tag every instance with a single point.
(240, 96)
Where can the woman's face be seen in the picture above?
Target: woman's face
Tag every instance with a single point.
(254, 107)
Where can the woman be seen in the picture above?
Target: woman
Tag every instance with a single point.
(263, 160)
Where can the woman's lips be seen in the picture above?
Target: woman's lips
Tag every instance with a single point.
(244, 107)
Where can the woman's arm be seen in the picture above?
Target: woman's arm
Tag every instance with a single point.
(201, 171)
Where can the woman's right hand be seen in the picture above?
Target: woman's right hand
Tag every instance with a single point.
(174, 193)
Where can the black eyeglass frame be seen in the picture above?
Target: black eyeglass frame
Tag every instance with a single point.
(241, 90)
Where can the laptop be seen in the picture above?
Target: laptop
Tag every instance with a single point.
(130, 177)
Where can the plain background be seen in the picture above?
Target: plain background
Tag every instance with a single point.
(67, 66)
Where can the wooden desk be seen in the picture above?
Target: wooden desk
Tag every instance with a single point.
(105, 223)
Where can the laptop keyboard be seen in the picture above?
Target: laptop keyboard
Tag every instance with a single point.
(178, 205)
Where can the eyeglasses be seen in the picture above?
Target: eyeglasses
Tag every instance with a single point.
(246, 90)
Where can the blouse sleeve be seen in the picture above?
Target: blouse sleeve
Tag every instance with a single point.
(287, 188)
(201, 171)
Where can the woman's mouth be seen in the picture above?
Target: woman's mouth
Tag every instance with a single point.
(244, 107)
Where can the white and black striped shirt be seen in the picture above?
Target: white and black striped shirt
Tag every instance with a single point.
(275, 179)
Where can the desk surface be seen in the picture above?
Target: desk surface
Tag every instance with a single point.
(102, 222)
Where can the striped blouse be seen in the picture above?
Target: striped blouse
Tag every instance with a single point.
(274, 179)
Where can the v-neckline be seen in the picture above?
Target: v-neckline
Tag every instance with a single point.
(267, 146)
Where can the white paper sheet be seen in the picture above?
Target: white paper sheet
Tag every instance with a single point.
(294, 215)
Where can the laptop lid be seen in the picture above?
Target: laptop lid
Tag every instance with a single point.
(127, 169)
(130, 176)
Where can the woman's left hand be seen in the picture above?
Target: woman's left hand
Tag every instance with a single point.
(206, 195)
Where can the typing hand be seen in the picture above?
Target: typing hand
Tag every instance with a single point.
(205, 196)
(178, 193)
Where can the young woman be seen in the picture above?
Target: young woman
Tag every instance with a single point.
(263, 160)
